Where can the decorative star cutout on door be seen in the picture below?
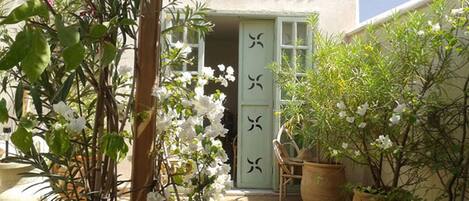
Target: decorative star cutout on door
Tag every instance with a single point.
(255, 123)
(255, 82)
(254, 165)
(256, 40)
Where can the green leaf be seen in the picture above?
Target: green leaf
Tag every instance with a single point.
(73, 56)
(17, 51)
(3, 111)
(114, 146)
(37, 100)
(109, 53)
(68, 36)
(64, 90)
(38, 57)
(22, 139)
(98, 31)
(19, 100)
(25, 11)
(127, 22)
(59, 142)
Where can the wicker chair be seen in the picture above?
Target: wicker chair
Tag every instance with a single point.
(286, 163)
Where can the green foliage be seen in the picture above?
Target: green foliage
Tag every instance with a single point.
(108, 54)
(115, 146)
(73, 56)
(59, 143)
(22, 139)
(28, 9)
(38, 56)
(3, 111)
(68, 36)
(18, 50)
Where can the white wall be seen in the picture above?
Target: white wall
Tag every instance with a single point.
(334, 15)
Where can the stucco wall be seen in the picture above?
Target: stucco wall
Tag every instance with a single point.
(334, 15)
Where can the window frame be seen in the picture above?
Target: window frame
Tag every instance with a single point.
(200, 46)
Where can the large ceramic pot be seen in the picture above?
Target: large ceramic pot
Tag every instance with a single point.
(10, 175)
(321, 182)
(362, 196)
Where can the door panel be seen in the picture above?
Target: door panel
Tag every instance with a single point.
(255, 104)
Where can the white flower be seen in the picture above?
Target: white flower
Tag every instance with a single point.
(457, 11)
(199, 91)
(230, 77)
(341, 105)
(357, 153)
(179, 45)
(186, 50)
(230, 70)
(334, 152)
(221, 67)
(395, 119)
(224, 82)
(383, 142)
(185, 77)
(361, 110)
(63, 109)
(77, 125)
(342, 114)
(208, 72)
(362, 125)
(400, 108)
(435, 27)
(124, 69)
(350, 119)
(344, 145)
(161, 93)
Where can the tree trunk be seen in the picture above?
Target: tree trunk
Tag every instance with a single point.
(147, 68)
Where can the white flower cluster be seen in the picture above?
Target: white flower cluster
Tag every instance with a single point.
(184, 49)
(361, 111)
(192, 122)
(75, 124)
(383, 142)
(397, 112)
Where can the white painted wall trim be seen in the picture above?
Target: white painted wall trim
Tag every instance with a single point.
(386, 16)
(259, 14)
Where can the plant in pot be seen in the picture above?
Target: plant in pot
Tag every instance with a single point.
(307, 107)
(382, 86)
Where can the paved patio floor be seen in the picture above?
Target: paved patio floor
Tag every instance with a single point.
(260, 198)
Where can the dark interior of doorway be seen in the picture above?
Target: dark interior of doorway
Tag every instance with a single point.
(221, 47)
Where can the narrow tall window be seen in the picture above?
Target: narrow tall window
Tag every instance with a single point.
(193, 40)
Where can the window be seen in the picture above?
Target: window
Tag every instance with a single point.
(294, 47)
(194, 40)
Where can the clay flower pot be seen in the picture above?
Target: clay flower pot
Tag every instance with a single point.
(322, 182)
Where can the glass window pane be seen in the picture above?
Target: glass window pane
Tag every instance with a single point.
(192, 37)
(302, 33)
(287, 34)
(193, 66)
(301, 61)
(287, 57)
(176, 36)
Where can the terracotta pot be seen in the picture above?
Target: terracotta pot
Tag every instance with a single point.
(362, 196)
(10, 175)
(321, 182)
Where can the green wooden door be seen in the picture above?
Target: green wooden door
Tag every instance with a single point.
(255, 104)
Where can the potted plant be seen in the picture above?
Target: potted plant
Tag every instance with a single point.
(385, 84)
(306, 111)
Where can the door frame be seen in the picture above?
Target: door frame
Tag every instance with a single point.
(276, 17)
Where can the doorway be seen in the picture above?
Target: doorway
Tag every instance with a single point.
(221, 47)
